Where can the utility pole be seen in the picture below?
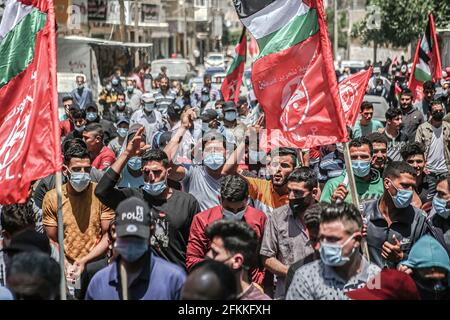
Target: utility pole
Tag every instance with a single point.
(335, 40)
(183, 3)
(136, 31)
(122, 21)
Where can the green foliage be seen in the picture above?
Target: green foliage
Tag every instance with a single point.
(402, 21)
(343, 25)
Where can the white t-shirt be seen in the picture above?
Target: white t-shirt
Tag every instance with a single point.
(436, 156)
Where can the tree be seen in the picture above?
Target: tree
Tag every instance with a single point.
(401, 21)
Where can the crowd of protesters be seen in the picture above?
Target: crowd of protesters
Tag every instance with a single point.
(169, 194)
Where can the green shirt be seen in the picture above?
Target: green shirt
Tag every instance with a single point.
(362, 131)
(366, 190)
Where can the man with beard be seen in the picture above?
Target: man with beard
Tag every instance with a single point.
(164, 96)
(411, 117)
(285, 238)
(379, 144)
(205, 94)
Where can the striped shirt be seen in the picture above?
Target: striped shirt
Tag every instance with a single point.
(164, 100)
(263, 195)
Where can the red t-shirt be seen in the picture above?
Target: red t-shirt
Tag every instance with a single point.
(104, 159)
(66, 127)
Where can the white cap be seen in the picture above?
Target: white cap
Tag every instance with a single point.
(148, 97)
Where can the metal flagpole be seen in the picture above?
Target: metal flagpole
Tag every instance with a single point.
(123, 280)
(354, 192)
(62, 291)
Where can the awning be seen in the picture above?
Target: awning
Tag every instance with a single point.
(103, 42)
(160, 34)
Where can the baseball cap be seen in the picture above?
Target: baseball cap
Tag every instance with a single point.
(133, 129)
(148, 97)
(229, 106)
(122, 119)
(29, 240)
(209, 115)
(242, 100)
(133, 218)
(391, 285)
(174, 109)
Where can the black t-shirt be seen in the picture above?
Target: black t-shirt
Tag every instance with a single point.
(426, 190)
(178, 211)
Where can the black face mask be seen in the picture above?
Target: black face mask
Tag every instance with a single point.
(438, 116)
(298, 205)
(431, 289)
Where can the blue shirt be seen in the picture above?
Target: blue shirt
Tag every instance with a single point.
(158, 280)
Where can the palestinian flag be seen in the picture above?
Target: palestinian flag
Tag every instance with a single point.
(30, 146)
(231, 85)
(294, 77)
(427, 61)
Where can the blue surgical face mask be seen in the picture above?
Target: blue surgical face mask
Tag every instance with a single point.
(122, 132)
(230, 215)
(214, 160)
(331, 253)
(361, 168)
(131, 248)
(230, 116)
(91, 116)
(403, 197)
(155, 189)
(120, 104)
(130, 89)
(115, 82)
(80, 129)
(440, 206)
(205, 98)
(135, 163)
(149, 107)
(79, 180)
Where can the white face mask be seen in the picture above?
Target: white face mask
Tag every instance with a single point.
(230, 215)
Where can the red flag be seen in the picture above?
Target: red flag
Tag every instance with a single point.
(231, 85)
(296, 84)
(30, 146)
(352, 91)
(427, 61)
(253, 47)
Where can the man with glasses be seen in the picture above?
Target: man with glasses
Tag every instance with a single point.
(411, 117)
(85, 218)
(366, 124)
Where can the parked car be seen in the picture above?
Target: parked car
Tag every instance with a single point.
(214, 70)
(215, 60)
(177, 69)
(354, 65)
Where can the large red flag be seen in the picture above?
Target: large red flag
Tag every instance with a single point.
(294, 77)
(30, 146)
(352, 90)
(231, 85)
(427, 61)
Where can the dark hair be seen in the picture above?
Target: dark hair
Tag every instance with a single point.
(157, 155)
(75, 151)
(429, 85)
(395, 168)
(67, 98)
(306, 175)
(33, 276)
(206, 76)
(344, 212)
(377, 137)
(234, 188)
(78, 114)
(359, 142)
(213, 135)
(406, 92)
(411, 149)
(71, 142)
(366, 105)
(311, 219)
(286, 151)
(440, 178)
(201, 282)
(120, 94)
(16, 217)
(434, 103)
(164, 77)
(392, 113)
(237, 237)
(95, 128)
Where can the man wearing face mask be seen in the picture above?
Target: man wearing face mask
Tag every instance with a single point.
(202, 95)
(341, 267)
(82, 95)
(285, 237)
(234, 199)
(435, 135)
(164, 96)
(93, 116)
(80, 207)
(148, 116)
(133, 95)
(119, 109)
(230, 123)
(369, 184)
(429, 265)
(393, 224)
(148, 276)
(411, 117)
(122, 131)
(440, 213)
(175, 209)
(234, 243)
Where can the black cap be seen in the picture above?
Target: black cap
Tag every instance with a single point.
(209, 115)
(229, 106)
(133, 218)
(174, 109)
(132, 131)
(242, 100)
(29, 240)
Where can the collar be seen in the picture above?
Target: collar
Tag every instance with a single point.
(404, 216)
(114, 276)
(330, 274)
